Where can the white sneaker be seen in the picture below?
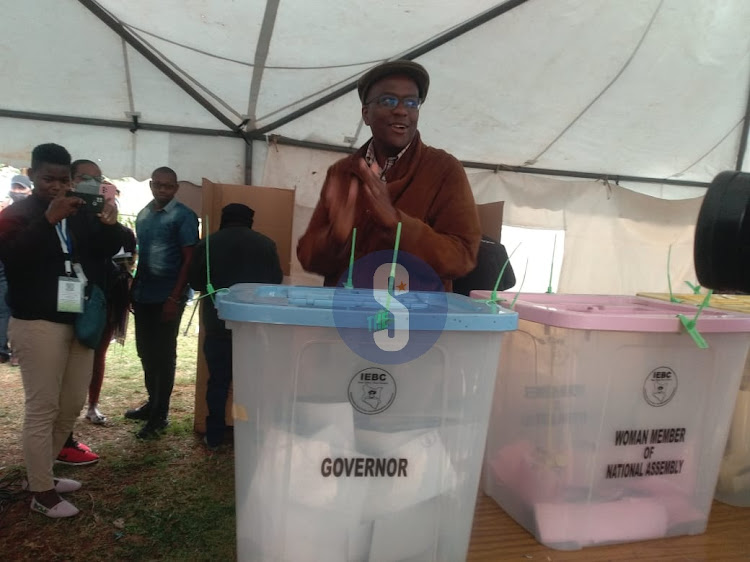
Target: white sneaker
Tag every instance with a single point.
(95, 416)
(62, 485)
(62, 509)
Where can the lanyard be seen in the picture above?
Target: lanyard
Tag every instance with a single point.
(65, 244)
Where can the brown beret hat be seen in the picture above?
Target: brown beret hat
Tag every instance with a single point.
(410, 68)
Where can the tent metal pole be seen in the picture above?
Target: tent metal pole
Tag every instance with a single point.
(501, 167)
(115, 124)
(286, 141)
(743, 134)
(261, 55)
(457, 31)
(134, 42)
(111, 123)
(248, 162)
(581, 175)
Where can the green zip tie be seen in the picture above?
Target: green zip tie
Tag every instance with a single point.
(212, 293)
(349, 284)
(690, 324)
(493, 296)
(209, 287)
(695, 288)
(520, 288)
(552, 265)
(392, 276)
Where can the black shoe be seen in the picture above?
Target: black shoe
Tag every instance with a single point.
(211, 445)
(152, 430)
(140, 413)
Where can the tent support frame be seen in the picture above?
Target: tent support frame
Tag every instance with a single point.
(115, 124)
(248, 163)
(134, 42)
(743, 135)
(111, 123)
(457, 31)
(614, 178)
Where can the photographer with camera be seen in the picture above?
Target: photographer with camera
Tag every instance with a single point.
(52, 249)
(88, 176)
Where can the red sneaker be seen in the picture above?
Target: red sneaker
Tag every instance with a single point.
(80, 445)
(77, 456)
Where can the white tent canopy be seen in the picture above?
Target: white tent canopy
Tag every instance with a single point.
(651, 91)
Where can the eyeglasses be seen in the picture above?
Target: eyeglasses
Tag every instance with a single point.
(389, 101)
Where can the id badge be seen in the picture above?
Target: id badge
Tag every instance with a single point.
(70, 294)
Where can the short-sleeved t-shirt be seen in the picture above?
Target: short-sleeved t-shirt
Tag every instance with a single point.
(161, 236)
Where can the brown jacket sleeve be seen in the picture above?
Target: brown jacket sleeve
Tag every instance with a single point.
(449, 240)
(316, 250)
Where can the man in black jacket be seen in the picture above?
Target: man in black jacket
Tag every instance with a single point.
(238, 254)
(52, 247)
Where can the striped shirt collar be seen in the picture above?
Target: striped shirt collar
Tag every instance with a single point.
(389, 162)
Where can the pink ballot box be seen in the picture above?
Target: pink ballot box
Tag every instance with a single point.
(734, 475)
(608, 421)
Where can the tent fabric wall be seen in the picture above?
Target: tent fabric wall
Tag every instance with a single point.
(121, 153)
(303, 170)
(644, 88)
(651, 88)
(616, 240)
(553, 85)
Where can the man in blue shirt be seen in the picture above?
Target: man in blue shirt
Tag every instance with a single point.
(167, 232)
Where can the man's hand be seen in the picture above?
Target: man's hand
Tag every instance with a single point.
(62, 207)
(108, 214)
(341, 203)
(376, 195)
(169, 310)
(108, 191)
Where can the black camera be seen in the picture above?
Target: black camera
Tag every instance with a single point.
(89, 191)
(721, 250)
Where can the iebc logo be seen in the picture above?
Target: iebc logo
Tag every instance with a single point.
(392, 315)
(660, 386)
(372, 390)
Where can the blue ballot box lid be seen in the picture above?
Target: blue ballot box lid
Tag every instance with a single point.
(350, 308)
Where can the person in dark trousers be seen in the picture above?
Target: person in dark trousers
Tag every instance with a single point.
(167, 232)
(237, 254)
(116, 288)
(20, 188)
(75, 453)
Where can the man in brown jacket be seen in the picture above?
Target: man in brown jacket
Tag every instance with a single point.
(393, 178)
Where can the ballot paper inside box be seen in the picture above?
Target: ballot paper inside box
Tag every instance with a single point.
(608, 421)
(383, 459)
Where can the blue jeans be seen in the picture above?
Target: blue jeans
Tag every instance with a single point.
(4, 313)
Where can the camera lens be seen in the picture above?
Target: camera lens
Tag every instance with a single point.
(722, 234)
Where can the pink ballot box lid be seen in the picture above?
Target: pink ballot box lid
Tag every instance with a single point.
(616, 313)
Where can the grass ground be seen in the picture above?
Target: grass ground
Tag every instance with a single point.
(166, 499)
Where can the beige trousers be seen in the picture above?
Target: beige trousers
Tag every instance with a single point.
(56, 370)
